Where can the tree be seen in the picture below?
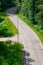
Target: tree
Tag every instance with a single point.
(5, 3)
(39, 15)
(25, 8)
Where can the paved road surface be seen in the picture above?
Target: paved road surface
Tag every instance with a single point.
(33, 53)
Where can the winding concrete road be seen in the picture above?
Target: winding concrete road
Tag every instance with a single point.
(33, 49)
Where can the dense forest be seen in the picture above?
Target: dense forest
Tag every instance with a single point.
(31, 9)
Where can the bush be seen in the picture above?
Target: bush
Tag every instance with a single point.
(37, 27)
(1, 19)
(41, 31)
(10, 55)
(8, 42)
(5, 30)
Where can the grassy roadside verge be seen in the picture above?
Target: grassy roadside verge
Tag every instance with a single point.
(29, 24)
(11, 26)
(10, 53)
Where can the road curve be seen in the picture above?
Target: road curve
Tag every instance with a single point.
(33, 53)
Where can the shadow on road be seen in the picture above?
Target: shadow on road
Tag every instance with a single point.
(11, 12)
(26, 59)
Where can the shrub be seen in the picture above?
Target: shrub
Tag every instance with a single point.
(1, 18)
(37, 27)
(5, 30)
(41, 31)
(8, 42)
(10, 55)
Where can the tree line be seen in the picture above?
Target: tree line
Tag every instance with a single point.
(31, 9)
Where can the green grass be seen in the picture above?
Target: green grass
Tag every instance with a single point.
(12, 30)
(12, 26)
(8, 21)
(40, 35)
(10, 53)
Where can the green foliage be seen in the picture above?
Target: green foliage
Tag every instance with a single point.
(8, 42)
(5, 29)
(10, 55)
(37, 27)
(25, 8)
(5, 4)
(39, 15)
(6, 26)
(17, 4)
(32, 10)
(1, 18)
